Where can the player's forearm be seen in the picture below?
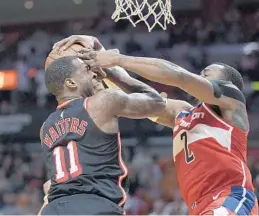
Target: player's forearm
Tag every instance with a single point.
(119, 78)
(156, 70)
(125, 82)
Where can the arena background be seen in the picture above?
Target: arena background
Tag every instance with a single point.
(206, 31)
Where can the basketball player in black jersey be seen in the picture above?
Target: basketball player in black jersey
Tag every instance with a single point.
(81, 140)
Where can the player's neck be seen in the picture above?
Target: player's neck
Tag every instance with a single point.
(64, 98)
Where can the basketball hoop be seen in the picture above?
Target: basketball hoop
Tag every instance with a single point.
(160, 10)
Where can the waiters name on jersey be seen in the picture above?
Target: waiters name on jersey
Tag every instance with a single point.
(197, 115)
(62, 127)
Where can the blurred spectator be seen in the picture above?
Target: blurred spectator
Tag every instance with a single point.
(41, 91)
(249, 67)
(132, 46)
(23, 79)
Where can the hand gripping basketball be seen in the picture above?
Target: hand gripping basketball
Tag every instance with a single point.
(84, 40)
(100, 59)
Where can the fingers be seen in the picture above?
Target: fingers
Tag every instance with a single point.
(115, 51)
(87, 54)
(64, 44)
(85, 50)
(97, 45)
(86, 41)
(84, 56)
(100, 73)
(69, 43)
(91, 63)
(60, 44)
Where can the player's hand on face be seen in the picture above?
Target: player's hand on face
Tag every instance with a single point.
(102, 59)
(84, 40)
(100, 73)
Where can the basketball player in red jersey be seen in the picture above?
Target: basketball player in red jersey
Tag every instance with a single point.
(210, 139)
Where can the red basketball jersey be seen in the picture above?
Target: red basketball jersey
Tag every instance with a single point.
(209, 154)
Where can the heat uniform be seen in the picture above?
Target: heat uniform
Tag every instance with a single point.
(88, 176)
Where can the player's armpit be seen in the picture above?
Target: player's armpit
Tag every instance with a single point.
(135, 105)
(46, 187)
(173, 107)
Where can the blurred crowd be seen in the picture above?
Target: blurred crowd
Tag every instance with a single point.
(29, 53)
(154, 188)
(21, 180)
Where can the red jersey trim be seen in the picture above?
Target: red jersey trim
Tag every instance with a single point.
(65, 103)
(86, 102)
(124, 174)
(223, 121)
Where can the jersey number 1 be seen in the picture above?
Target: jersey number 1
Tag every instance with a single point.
(189, 156)
(75, 169)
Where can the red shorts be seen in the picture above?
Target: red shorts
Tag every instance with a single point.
(237, 201)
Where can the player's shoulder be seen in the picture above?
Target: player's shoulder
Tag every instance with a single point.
(51, 118)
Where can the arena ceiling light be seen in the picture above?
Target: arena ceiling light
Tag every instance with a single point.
(29, 4)
(78, 1)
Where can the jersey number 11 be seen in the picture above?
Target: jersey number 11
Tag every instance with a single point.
(75, 169)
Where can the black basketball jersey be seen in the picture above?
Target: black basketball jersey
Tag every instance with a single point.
(80, 158)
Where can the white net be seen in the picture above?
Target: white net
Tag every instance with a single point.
(137, 11)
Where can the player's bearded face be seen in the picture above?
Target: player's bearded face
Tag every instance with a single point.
(91, 83)
(97, 82)
(83, 78)
(212, 72)
(88, 81)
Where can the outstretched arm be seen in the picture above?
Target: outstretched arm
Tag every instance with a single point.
(120, 78)
(171, 74)
(225, 95)
(142, 103)
(165, 72)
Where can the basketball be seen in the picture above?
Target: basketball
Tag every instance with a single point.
(53, 55)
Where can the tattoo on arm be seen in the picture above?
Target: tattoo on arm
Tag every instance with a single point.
(135, 105)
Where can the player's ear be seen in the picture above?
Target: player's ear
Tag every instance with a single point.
(70, 83)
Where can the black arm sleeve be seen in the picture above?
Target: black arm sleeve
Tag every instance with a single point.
(227, 89)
